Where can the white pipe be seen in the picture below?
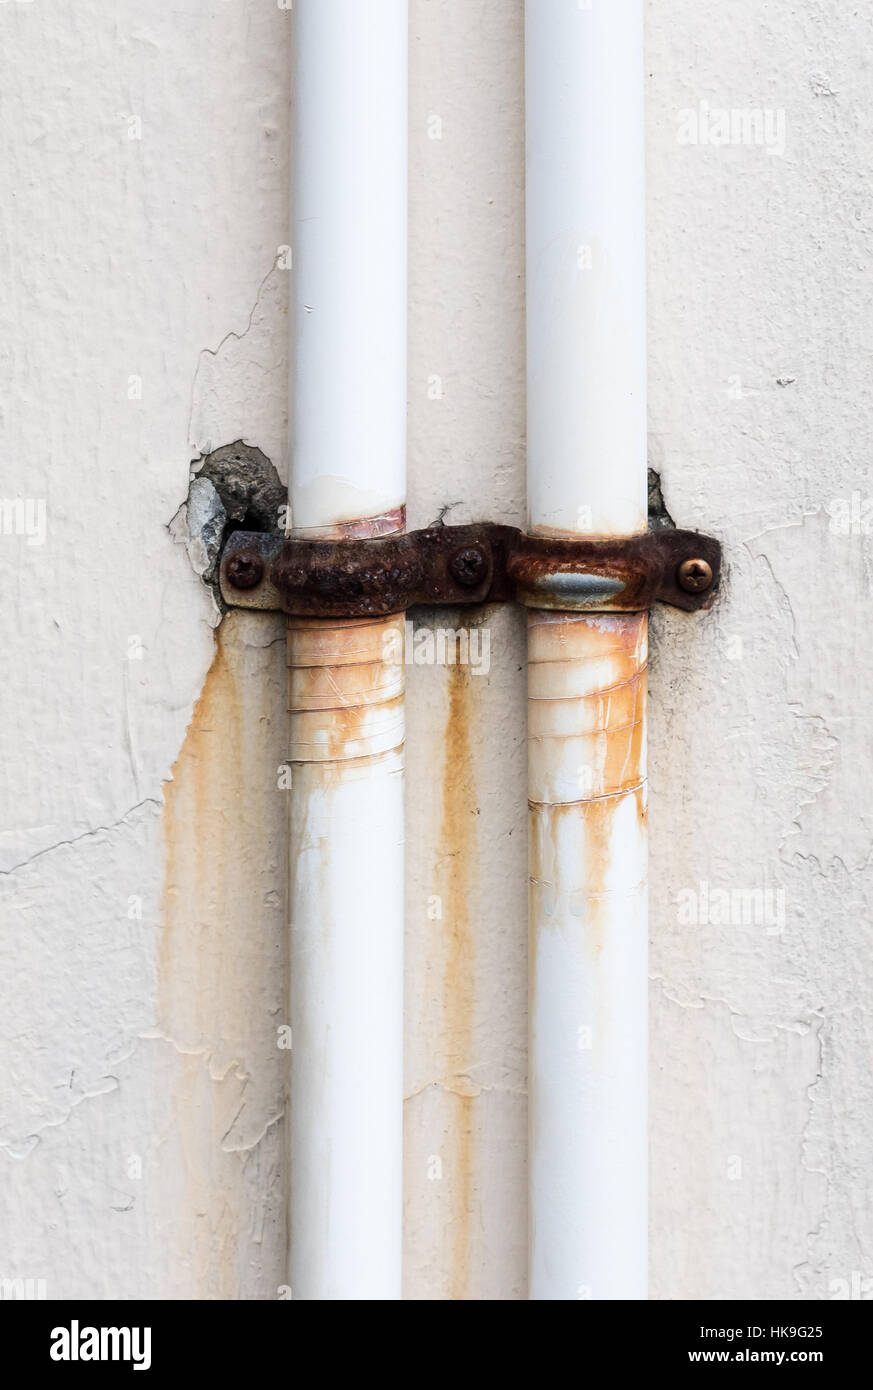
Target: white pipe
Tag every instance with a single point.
(587, 673)
(586, 325)
(349, 210)
(348, 468)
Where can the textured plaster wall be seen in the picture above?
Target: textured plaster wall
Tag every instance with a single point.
(142, 945)
(145, 181)
(761, 309)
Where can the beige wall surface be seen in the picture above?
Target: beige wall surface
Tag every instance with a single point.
(143, 952)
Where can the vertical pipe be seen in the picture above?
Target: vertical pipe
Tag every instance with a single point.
(587, 671)
(348, 477)
(586, 272)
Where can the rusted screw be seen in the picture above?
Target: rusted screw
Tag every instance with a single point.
(695, 575)
(245, 570)
(469, 566)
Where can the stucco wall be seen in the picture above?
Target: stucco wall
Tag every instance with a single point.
(142, 954)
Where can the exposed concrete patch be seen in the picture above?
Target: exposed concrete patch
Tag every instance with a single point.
(234, 488)
(206, 520)
(659, 518)
(251, 491)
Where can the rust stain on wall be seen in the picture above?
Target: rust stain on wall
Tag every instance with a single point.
(221, 966)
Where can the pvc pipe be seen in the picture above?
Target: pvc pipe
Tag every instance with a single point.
(587, 671)
(349, 253)
(346, 960)
(588, 955)
(586, 324)
(348, 431)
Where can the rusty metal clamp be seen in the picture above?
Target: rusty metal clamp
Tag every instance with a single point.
(481, 563)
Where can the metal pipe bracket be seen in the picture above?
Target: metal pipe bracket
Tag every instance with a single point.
(480, 563)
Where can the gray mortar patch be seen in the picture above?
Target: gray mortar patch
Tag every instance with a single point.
(659, 518)
(234, 488)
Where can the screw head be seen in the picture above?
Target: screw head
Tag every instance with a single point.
(695, 575)
(245, 570)
(469, 566)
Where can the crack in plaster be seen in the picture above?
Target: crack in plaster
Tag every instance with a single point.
(230, 337)
(85, 835)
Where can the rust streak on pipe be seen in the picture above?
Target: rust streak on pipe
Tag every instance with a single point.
(587, 792)
(457, 858)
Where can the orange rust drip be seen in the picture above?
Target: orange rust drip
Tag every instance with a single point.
(198, 832)
(457, 857)
(197, 999)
